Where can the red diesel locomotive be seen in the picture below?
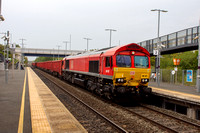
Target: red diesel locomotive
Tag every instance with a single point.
(109, 72)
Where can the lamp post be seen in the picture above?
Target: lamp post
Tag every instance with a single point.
(158, 47)
(58, 50)
(22, 57)
(70, 41)
(53, 54)
(198, 71)
(110, 34)
(66, 46)
(87, 41)
(1, 17)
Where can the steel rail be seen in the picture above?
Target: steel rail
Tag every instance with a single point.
(171, 116)
(151, 121)
(52, 79)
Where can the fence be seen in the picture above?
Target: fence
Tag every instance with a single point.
(179, 78)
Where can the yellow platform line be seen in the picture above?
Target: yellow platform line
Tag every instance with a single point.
(21, 117)
(39, 119)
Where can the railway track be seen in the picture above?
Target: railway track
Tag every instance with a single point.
(126, 119)
(116, 127)
(164, 120)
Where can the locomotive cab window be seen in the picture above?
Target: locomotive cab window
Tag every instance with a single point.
(107, 61)
(141, 61)
(123, 60)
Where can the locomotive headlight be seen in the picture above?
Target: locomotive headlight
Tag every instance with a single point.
(144, 80)
(120, 80)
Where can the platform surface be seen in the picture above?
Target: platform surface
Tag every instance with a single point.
(180, 91)
(40, 111)
(10, 101)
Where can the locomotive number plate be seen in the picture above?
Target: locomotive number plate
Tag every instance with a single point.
(132, 73)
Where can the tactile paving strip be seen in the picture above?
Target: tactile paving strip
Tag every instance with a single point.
(59, 118)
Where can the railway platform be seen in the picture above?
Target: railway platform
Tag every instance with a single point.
(28, 105)
(179, 91)
(185, 95)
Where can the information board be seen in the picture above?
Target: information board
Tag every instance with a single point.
(189, 75)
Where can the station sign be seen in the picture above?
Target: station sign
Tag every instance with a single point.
(189, 76)
(173, 72)
(155, 52)
(176, 61)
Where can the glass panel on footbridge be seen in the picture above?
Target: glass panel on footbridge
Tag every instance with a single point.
(144, 44)
(181, 37)
(189, 36)
(195, 33)
(163, 40)
(172, 40)
(150, 45)
(155, 43)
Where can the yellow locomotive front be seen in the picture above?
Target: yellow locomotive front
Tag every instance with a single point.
(131, 72)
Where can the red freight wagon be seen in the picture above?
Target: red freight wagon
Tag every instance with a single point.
(48, 66)
(57, 67)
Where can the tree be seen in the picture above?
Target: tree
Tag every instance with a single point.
(41, 59)
(188, 60)
(1, 49)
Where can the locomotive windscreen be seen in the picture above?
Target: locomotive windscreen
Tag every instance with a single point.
(141, 61)
(94, 66)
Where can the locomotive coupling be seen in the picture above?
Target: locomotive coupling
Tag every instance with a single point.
(147, 90)
(121, 89)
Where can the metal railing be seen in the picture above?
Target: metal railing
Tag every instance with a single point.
(179, 78)
(183, 37)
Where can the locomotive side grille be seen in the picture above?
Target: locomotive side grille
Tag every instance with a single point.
(94, 66)
(67, 64)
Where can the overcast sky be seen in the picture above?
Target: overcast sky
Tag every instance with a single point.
(47, 23)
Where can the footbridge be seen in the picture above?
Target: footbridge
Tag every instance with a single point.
(179, 41)
(21, 52)
(45, 52)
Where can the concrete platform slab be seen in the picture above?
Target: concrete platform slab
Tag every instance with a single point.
(10, 101)
(179, 91)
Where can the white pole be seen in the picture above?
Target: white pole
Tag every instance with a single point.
(198, 75)
(6, 77)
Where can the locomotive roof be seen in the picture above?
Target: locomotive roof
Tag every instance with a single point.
(113, 50)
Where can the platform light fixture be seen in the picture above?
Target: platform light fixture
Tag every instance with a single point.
(158, 47)
(87, 41)
(66, 46)
(22, 54)
(110, 34)
(1, 17)
(58, 50)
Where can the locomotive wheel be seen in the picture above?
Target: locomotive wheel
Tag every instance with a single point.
(108, 95)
